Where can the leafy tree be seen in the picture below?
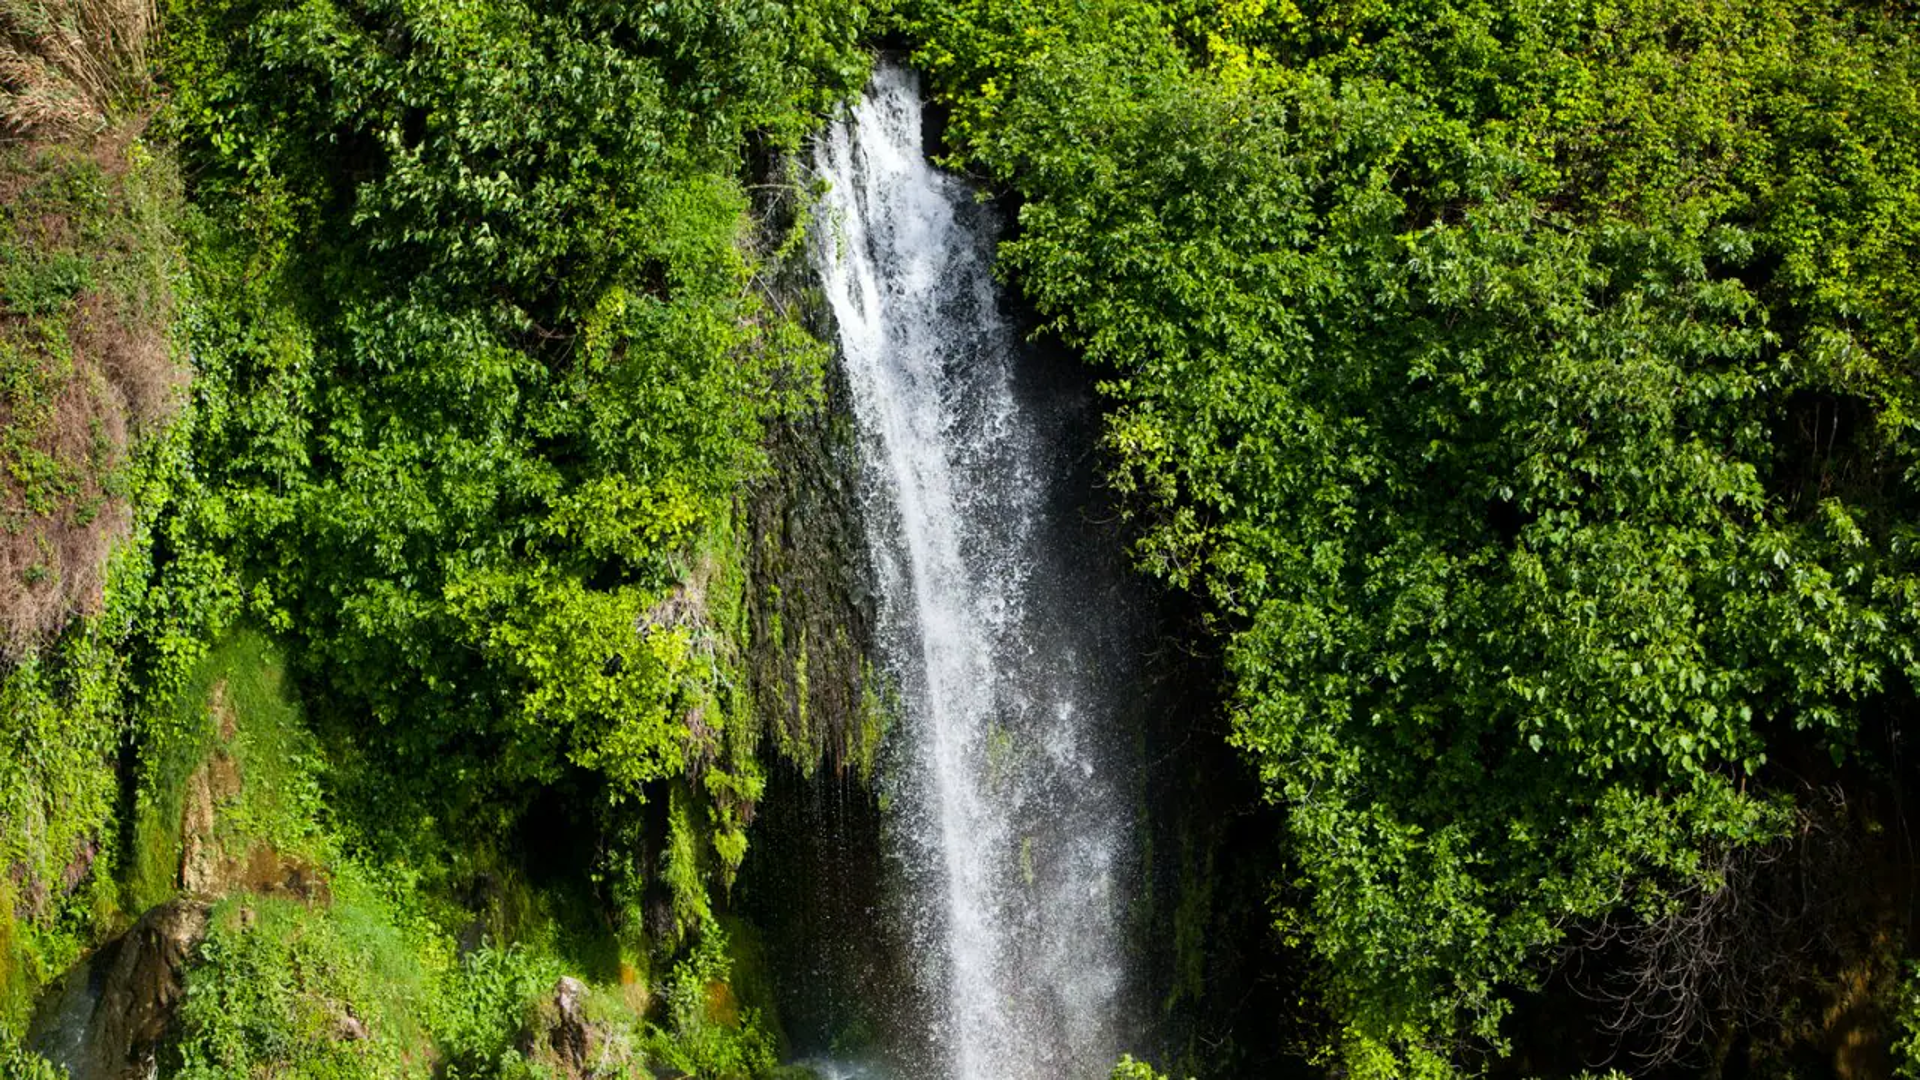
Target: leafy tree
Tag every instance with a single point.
(485, 358)
(1527, 388)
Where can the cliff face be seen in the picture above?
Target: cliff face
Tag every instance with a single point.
(817, 695)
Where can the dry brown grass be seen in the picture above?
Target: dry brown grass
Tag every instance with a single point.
(69, 67)
(129, 349)
(105, 377)
(53, 565)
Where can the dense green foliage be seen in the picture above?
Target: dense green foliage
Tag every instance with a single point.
(483, 353)
(1130, 1069)
(484, 357)
(1528, 388)
(322, 961)
(492, 364)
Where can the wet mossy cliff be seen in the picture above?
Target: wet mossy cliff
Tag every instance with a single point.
(820, 884)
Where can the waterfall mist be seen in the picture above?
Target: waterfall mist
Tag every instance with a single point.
(1010, 821)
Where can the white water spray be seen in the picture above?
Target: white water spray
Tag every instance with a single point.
(1012, 833)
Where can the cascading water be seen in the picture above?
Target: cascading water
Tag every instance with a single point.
(1007, 819)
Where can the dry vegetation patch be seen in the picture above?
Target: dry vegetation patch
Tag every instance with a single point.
(84, 367)
(85, 261)
(69, 67)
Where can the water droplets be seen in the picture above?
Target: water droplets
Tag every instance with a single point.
(1011, 838)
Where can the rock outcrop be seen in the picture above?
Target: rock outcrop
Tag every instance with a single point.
(107, 1017)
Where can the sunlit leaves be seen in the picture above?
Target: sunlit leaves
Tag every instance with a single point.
(1475, 361)
(493, 358)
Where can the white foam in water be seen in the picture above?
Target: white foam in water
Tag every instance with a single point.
(1013, 837)
(825, 1069)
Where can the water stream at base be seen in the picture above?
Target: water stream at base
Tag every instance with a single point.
(1007, 821)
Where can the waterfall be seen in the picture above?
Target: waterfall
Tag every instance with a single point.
(1008, 821)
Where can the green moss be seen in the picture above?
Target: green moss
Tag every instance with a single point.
(879, 706)
(1191, 917)
(684, 870)
(15, 993)
(236, 705)
(750, 977)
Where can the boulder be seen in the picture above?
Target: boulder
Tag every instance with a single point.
(108, 1015)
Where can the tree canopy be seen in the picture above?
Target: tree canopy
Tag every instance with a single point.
(1528, 388)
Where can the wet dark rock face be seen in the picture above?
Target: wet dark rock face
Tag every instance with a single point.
(106, 1018)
